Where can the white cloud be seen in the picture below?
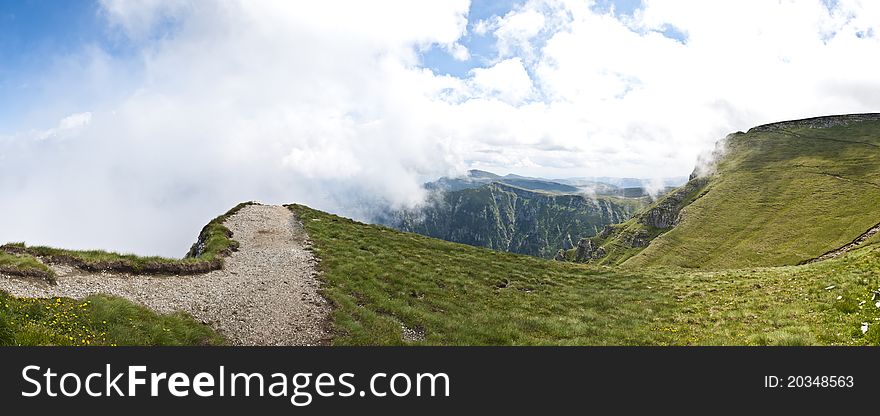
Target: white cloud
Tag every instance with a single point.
(515, 30)
(459, 51)
(324, 103)
(276, 101)
(482, 27)
(68, 127)
(508, 80)
(74, 121)
(139, 18)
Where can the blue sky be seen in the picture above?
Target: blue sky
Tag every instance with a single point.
(34, 34)
(40, 40)
(483, 47)
(318, 102)
(38, 37)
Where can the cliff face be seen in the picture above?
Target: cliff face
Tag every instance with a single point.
(665, 213)
(508, 218)
(616, 243)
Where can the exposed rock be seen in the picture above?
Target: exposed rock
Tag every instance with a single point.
(665, 213)
(599, 253)
(560, 255)
(636, 240)
(508, 218)
(44, 275)
(818, 122)
(663, 216)
(584, 250)
(847, 248)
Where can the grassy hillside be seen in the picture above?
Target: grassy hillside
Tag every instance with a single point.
(96, 320)
(781, 195)
(618, 242)
(509, 218)
(390, 287)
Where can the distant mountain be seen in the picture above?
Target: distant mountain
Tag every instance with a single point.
(671, 182)
(479, 178)
(599, 186)
(516, 214)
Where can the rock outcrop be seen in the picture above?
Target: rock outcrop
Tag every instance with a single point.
(817, 122)
(584, 250)
(560, 255)
(587, 251)
(665, 214)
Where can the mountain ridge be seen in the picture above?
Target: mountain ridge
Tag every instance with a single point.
(511, 218)
(815, 170)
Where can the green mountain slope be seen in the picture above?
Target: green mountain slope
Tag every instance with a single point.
(618, 242)
(782, 194)
(390, 287)
(509, 218)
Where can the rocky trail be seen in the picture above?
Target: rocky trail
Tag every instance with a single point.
(266, 294)
(847, 248)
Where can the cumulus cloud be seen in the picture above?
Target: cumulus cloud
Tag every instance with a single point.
(274, 101)
(327, 103)
(139, 18)
(508, 80)
(67, 127)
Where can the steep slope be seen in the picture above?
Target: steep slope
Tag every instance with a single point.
(509, 218)
(782, 194)
(390, 287)
(618, 242)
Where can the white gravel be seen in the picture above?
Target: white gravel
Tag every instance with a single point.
(267, 293)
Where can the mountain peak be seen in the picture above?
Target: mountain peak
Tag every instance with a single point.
(476, 173)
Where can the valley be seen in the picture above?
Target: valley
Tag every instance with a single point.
(773, 241)
(516, 214)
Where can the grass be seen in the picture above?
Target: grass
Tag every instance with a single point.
(381, 281)
(778, 198)
(100, 319)
(215, 241)
(96, 320)
(24, 265)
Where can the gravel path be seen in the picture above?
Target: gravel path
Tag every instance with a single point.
(267, 294)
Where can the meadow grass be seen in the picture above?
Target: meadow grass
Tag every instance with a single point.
(380, 281)
(95, 320)
(778, 198)
(24, 265)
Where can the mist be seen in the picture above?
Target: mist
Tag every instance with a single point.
(330, 104)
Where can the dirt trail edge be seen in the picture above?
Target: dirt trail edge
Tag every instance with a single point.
(847, 248)
(266, 294)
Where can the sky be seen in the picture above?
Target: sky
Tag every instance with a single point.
(128, 124)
